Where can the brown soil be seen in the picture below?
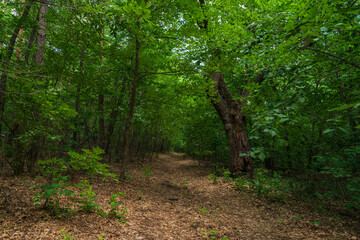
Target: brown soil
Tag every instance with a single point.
(176, 202)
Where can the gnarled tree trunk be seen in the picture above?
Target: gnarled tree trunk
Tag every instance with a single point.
(229, 111)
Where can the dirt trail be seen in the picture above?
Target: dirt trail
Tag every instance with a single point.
(176, 202)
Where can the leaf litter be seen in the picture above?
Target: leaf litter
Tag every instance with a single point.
(173, 199)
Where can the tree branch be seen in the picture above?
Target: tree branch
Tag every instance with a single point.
(343, 60)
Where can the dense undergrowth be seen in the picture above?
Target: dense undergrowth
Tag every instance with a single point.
(326, 192)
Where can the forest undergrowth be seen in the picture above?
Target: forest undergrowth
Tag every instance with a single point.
(171, 197)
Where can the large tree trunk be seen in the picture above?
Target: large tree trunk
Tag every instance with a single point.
(229, 111)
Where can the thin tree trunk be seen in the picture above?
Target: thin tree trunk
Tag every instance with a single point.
(125, 150)
(101, 139)
(113, 117)
(31, 41)
(7, 59)
(75, 136)
(34, 152)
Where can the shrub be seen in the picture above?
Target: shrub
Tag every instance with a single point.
(55, 171)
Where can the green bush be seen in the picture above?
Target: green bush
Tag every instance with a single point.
(55, 171)
(265, 183)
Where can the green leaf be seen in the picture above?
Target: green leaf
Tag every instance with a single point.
(262, 156)
(284, 120)
(271, 132)
(328, 131)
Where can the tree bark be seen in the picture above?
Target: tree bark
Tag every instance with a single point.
(20, 39)
(41, 37)
(229, 111)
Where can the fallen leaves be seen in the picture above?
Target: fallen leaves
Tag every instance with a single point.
(178, 202)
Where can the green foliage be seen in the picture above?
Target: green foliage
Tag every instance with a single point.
(265, 183)
(127, 175)
(115, 210)
(52, 191)
(89, 161)
(227, 175)
(202, 210)
(87, 197)
(66, 237)
(57, 185)
(52, 168)
(213, 178)
(213, 234)
(147, 172)
(269, 184)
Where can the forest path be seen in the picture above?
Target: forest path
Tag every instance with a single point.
(171, 198)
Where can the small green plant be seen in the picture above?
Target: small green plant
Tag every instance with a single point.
(127, 175)
(242, 183)
(202, 210)
(115, 210)
(141, 196)
(213, 235)
(147, 171)
(87, 197)
(213, 178)
(102, 236)
(51, 192)
(227, 176)
(67, 236)
(185, 184)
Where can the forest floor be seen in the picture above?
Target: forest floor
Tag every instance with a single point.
(171, 198)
